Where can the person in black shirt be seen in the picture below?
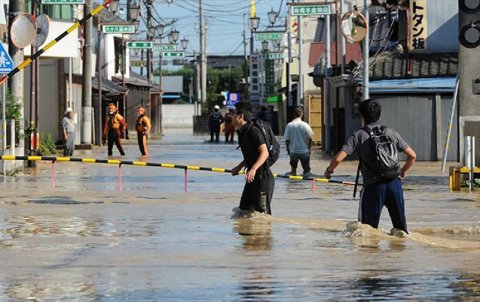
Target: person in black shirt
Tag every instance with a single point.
(258, 191)
(214, 121)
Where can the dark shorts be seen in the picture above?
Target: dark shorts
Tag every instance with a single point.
(388, 193)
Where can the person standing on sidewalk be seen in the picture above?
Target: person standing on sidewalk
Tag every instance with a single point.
(113, 130)
(214, 121)
(258, 191)
(69, 125)
(143, 127)
(298, 138)
(378, 190)
(229, 128)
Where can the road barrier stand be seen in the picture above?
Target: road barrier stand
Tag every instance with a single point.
(457, 175)
(54, 159)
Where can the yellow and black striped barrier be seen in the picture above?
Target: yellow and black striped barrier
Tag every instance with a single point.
(119, 163)
(34, 56)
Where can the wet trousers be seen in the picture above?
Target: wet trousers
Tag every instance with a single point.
(69, 144)
(388, 193)
(141, 144)
(214, 131)
(114, 138)
(304, 160)
(258, 194)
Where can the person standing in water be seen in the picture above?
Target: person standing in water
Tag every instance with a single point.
(378, 190)
(143, 127)
(113, 130)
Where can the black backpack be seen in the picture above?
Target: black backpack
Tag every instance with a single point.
(271, 141)
(383, 153)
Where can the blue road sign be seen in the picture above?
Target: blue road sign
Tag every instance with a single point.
(6, 62)
(232, 99)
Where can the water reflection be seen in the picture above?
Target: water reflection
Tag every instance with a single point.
(256, 283)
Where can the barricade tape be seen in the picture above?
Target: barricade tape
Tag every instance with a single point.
(54, 159)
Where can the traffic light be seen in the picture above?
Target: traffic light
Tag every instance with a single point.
(469, 23)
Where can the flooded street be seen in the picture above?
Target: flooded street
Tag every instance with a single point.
(87, 241)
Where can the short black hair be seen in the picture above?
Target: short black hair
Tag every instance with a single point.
(245, 109)
(298, 111)
(370, 110)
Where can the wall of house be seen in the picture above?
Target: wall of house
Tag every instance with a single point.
(422, 120)
(178, 116)
(48, 109)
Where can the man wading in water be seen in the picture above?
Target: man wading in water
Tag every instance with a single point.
(381, 187)
(258, 191)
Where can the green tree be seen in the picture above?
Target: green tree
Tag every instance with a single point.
(218, 80)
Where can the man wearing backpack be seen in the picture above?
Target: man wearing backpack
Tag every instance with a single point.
(258, 191)
(381, 186)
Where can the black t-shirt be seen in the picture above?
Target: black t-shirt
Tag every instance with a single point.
(250, 138)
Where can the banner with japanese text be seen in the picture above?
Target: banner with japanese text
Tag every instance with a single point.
(418, 32)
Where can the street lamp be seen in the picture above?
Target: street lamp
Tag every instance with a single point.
(272, 16)
(254, 22)
(184, 43)
(265, 46)
(174, 34)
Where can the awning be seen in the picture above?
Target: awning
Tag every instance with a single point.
(421, 85)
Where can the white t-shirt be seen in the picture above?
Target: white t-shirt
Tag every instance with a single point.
(298, 133)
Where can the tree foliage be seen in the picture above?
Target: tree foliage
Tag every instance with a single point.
(218, 80)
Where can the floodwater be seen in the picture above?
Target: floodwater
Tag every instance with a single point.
(87, 241)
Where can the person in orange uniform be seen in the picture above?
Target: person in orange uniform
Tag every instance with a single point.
(142, 126)
(114, 126)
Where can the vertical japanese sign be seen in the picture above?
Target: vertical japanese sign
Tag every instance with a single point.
(269, 77)
(418, 25)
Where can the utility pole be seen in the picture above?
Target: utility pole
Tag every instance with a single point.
(86, 136)
(469, 87)
(15, 83)
(149, 38)
(245, 58)
(366, 51)
(203, 57)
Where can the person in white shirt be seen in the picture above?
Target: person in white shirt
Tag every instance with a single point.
(68, 125)
(298, 137)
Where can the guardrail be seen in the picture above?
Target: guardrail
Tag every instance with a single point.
(119, 163)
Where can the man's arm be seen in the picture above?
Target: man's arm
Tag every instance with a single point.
(250, 176)
(334, 163)
(287, 143)
(148, 125)
(411, 157)
(237, 169)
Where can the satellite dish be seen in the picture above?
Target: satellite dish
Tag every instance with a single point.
(43, 26)
(23, 30)
(354, 26)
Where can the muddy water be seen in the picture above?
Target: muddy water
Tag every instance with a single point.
(86, 241)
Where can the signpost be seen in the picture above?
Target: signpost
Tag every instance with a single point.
(269, 36)
(6, 65)
(174, 54)
(273, 56)
(310, 10)
(164, 47)
(269, 77)
(118, 29)
(63, 1)
(140, 44)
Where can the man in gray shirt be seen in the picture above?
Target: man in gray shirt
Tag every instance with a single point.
(377, 190)
(298, 138)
